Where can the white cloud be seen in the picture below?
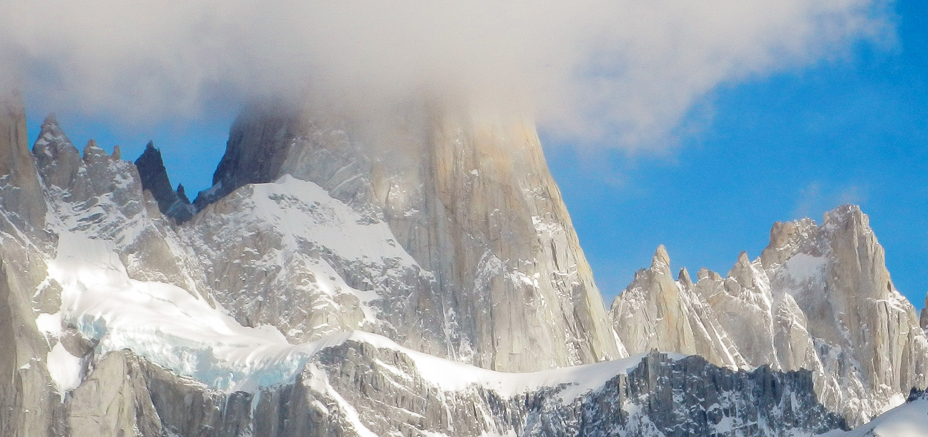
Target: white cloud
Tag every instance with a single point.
(622, 72)
(817, 198)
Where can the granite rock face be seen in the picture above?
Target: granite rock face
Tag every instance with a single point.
(818, 298)
(471, 200)
(358, 388)
(657, 312)
(28, 402)
(923, 318)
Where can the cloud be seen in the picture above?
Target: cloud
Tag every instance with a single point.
(615, 72)
(817, 198)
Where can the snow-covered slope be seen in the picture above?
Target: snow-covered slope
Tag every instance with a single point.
(907, 420)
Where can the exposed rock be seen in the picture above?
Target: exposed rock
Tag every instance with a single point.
(655, 312)
(470, 199)
(103, 196)
(20, 189)
(818, 298)
(174, 204)
(356, 389)
(113, 400)
(923, 319)
(28, 404)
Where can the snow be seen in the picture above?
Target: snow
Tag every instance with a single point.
(802, 267)
(49, 325)
(307, 211)
(166, 324)
(180, 331)
(907, 420)
(545, 227)
(64, 368)
(579, 379)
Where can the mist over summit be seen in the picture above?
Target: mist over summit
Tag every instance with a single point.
(612, 73)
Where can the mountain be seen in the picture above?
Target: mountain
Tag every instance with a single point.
(174, 204)
(414, 273)
(908, 419)
(495, 275)
(818, 298)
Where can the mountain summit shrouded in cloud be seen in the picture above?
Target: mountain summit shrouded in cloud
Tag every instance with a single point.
(620, 72)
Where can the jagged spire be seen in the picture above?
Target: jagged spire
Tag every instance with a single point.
(661, 258)
(684, 278)
(154, 175)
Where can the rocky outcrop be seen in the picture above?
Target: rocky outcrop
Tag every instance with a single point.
(154, 176)
(923, 318)
(818, 298)
(29, 405)
(470, 198)
(102, 195)
(441, 230)
(357, 388)
(289, 255)
(656, 312)
(113, 400)
(21, 190)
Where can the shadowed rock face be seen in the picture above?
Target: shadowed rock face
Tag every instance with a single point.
(154, 177)
(356, 389)
(818, 298)
(471, 199)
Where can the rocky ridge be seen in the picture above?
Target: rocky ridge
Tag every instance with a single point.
(174, 204)
(80, 282)
(470, 199)
(818, 298)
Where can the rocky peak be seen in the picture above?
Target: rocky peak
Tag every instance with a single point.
(820, 299)
(655, 312)
(260, 140)
(52, 142)
(469, 197)
(705, 273)
(780, 248)
(742, 276)
(94, 154)
(154, 175)
(660, 260)
(684, 278)
(182, 194)
(56, 157)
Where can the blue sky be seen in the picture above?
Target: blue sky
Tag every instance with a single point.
(791, 145)
(776, 147)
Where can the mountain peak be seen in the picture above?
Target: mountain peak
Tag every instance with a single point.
(743, 259)
(847, 215)
(684, 278)
(154, 175)
(661, 258)
(50, 120)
